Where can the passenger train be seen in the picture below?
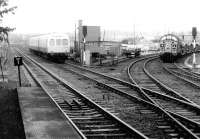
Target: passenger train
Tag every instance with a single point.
(55, 46)
(172, 47)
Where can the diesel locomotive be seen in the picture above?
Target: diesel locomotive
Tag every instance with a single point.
(172, 47)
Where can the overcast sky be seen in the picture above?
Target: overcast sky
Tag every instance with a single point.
(42, 16)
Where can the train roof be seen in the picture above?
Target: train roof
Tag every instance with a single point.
(52, 35)
(170, 37)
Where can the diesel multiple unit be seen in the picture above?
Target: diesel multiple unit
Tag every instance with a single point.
(56, 46)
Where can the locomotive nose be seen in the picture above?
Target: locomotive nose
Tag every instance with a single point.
(168, 45)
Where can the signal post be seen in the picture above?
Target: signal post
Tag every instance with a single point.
(18, 62)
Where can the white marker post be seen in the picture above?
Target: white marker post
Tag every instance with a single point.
(194, 56)
(194, 33)
(84, 41)
(84, 56)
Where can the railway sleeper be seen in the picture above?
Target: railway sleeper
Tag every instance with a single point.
(79, 112)
(100, 126)
(112, 135)
(146, 111)
(174, 135)
(87, 118)
(182, 110)
(93, 122)
(102, 130)
(74, 108)
(84, 115)
(65, 107)
(162, 123)
(169, 130)
(188, 114)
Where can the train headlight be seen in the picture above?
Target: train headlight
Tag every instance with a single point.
(162, 45)
(174, 46)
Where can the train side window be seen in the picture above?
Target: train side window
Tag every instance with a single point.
(65, 42)
(52, 42)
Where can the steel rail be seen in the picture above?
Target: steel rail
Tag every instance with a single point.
(174, 120)
(107, 86)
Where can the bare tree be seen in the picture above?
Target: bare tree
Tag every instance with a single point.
(5, 9)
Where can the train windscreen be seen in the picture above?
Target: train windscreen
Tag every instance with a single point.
(52, 42)
(65, 42)
(58, 42)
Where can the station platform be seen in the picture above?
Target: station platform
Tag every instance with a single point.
(41, 118)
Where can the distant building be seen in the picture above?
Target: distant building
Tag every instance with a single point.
(94, 47)
(104, 47)
(93, 33)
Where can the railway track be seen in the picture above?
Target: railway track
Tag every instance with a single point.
(185, 75)
(141, 77)
(188, 70)
(183, 86)
(88, 118)
(171, 127)
(187, 113)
